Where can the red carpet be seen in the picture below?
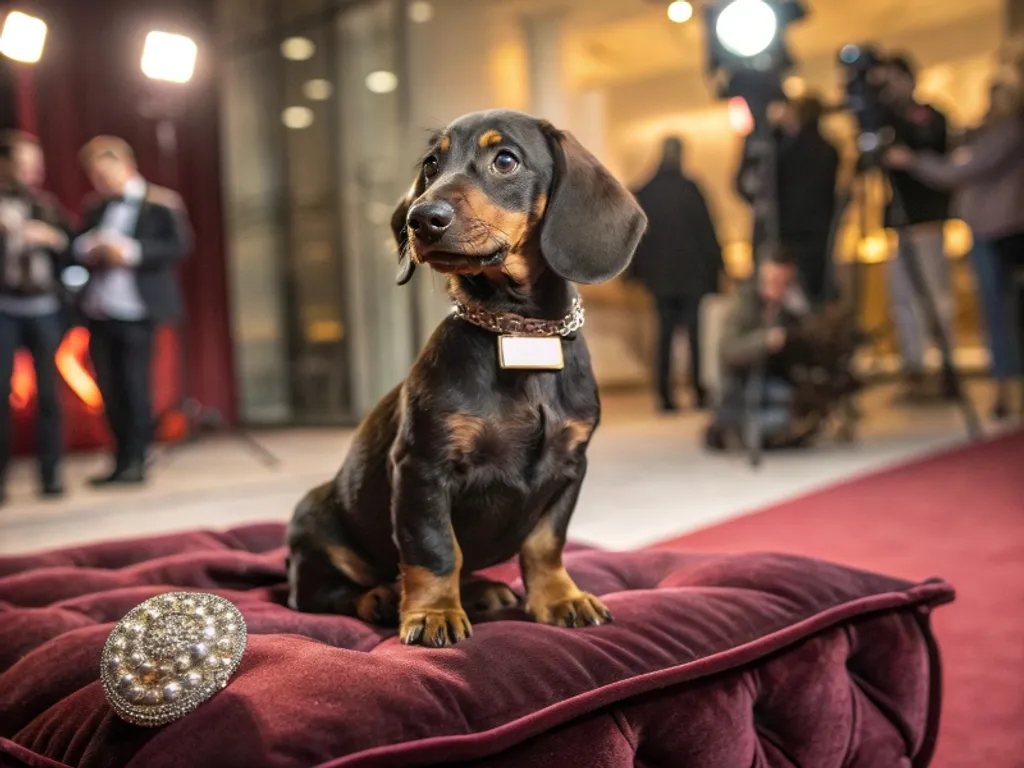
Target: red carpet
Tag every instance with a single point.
(959, 515)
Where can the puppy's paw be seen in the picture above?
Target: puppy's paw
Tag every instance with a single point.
(483, 595)
(579, 610)
(379, 606)
(435, 628)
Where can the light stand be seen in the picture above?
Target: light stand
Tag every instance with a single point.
(171, 59)
(747, 54)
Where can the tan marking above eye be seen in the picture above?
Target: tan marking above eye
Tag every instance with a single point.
(445, 144)
(490, 139)
(577, 432)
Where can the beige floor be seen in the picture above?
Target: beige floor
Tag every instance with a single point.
(648, 478)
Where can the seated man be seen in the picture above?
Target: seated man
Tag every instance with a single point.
(763, 321)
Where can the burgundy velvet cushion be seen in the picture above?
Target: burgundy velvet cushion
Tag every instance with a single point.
(753, 660)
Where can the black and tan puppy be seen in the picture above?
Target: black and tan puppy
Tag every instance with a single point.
(474, 459)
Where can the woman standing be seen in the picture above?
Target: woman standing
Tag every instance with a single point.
(988, 177)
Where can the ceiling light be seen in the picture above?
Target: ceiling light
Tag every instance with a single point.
(421, 11)
(318, 90)
(381, 81)
(169, 57)
(297, 118)
(298, 48)
(680, 11)
(23, 37)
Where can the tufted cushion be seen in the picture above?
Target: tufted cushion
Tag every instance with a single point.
(752, 660)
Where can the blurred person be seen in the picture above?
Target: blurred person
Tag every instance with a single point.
(135, 236)
(917, 210)
(33, 249)
(679, 261)
(764, 314)
(988, 177)
(807, 168)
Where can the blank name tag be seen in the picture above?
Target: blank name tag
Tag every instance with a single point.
(530, 353)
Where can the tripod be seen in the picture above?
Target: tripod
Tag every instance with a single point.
(766, 219)
(908, 253)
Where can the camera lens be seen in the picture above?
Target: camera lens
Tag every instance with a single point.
(849, 54)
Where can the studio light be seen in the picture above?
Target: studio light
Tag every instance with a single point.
(747, 27)
(169, 57)
(23, 37)
(746, 45)
(680, 11)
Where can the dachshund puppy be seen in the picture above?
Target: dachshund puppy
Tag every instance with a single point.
(479, 455)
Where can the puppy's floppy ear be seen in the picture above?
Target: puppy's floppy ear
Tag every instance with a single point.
(406, 266)
(592, 224)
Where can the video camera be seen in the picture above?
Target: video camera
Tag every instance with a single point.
(866, 70)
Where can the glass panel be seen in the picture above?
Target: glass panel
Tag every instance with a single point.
(241, 19)
(254, 191)
(374, 173)
(293, 10)
(320, 371)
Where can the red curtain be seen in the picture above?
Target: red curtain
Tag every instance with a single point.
(89, 82)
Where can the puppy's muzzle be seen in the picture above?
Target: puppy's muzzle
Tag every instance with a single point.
(430, 219)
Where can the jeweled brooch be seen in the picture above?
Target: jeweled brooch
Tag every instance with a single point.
(170, 654)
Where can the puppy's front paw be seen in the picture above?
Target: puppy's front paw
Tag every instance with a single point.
(580, 610)
(435, 628)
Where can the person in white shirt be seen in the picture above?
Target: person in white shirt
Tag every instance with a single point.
(135, 236)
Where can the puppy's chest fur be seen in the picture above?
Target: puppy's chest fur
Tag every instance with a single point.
(512, 439)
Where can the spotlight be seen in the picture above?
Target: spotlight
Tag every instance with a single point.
(680, 11)
(23, 37)
(746, 43)
(169, 57)
(746, 27)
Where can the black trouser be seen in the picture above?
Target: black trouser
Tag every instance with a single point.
(41, 336)
(673, 314)
(121, 353)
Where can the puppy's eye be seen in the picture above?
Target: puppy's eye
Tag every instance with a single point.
(430, 168)
(505, 162)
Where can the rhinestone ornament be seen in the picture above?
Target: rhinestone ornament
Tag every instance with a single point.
(170, 654)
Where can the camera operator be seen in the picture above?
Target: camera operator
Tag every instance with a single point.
(917, 211)
(807, 166)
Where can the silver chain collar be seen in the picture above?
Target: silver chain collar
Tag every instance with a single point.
(516, 325)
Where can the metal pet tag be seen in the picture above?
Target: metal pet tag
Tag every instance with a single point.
(530, 353)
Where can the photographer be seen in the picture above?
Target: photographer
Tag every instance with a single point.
(917, 211)
(806, 169)
(764, 316)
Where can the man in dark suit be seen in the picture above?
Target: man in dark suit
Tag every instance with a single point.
(33, 247)
(679, 261)
(135, 235)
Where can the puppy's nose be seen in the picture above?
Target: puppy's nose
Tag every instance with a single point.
(430, 219)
